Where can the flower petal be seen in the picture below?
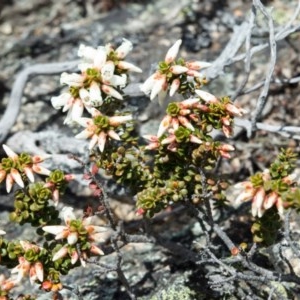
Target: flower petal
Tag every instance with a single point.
(111, 92)
(172, 52)
(16, 177)
(102, 140)
(72, 238)
(164, 125)
(177, 69)
(29, 173)
(174, 86)
(9, 152)
(124, 49)
(100, 57)
(55, 229)
(67, 214)
(62, 252)
(129, 66)
(40, 170)
(112, 134)
(206, 96)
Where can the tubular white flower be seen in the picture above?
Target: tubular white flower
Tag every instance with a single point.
(117, 80)
(164, 125)
(86, 52)
(206, 96)
(172, 52)
(73, 79)
(100, 57)
(177, 69)
(93, 142)
(61, 100)
(184, 121)
(16, 177)
(129, 66)
(62, 252)
(174, 86)
(147, 86)
(95, 94)
(113, 135)
(9, 183)
(197, 65)
(158, 86)
(77, 109)
(10, 153)
(117, 120)
(102, 140)
(107, 71)
(67, 214)
(124, 48)
(111, 91)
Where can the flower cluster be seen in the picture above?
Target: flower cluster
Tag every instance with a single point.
(103, 75)
(76, 232)
(16, 167)
(100, 127)
(184, 120)
(271, 188)
(174, 76)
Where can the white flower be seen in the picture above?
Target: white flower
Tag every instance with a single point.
(74, 106)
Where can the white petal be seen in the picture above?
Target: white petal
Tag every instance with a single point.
(129, 66)
(172, 52)
(100, 57)
(57, 229)
(93, 141)
(112, 134)
(206, 96)
(174, 86)
(72, 238)
(107, 70)
(124, 48)
(61, 100)
(95, 94)
(164, 125)
(16, 177)
(147, 86)
(77, 109)
(102, 140)
(177, 69)
(84, 122)
(67, 214)
(84, 66)
(197, 65)
(86, 52)
(158, 86)
(85, 134)
(111, 91)
(84, 95)
(9, 152)
(73, 79)
(116, 120)
(62, 252)
(40, 170)
(118, 80)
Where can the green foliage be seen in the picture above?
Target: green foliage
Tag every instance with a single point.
(265, 229)
(32, 206)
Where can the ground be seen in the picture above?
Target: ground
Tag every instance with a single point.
(40, 31)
